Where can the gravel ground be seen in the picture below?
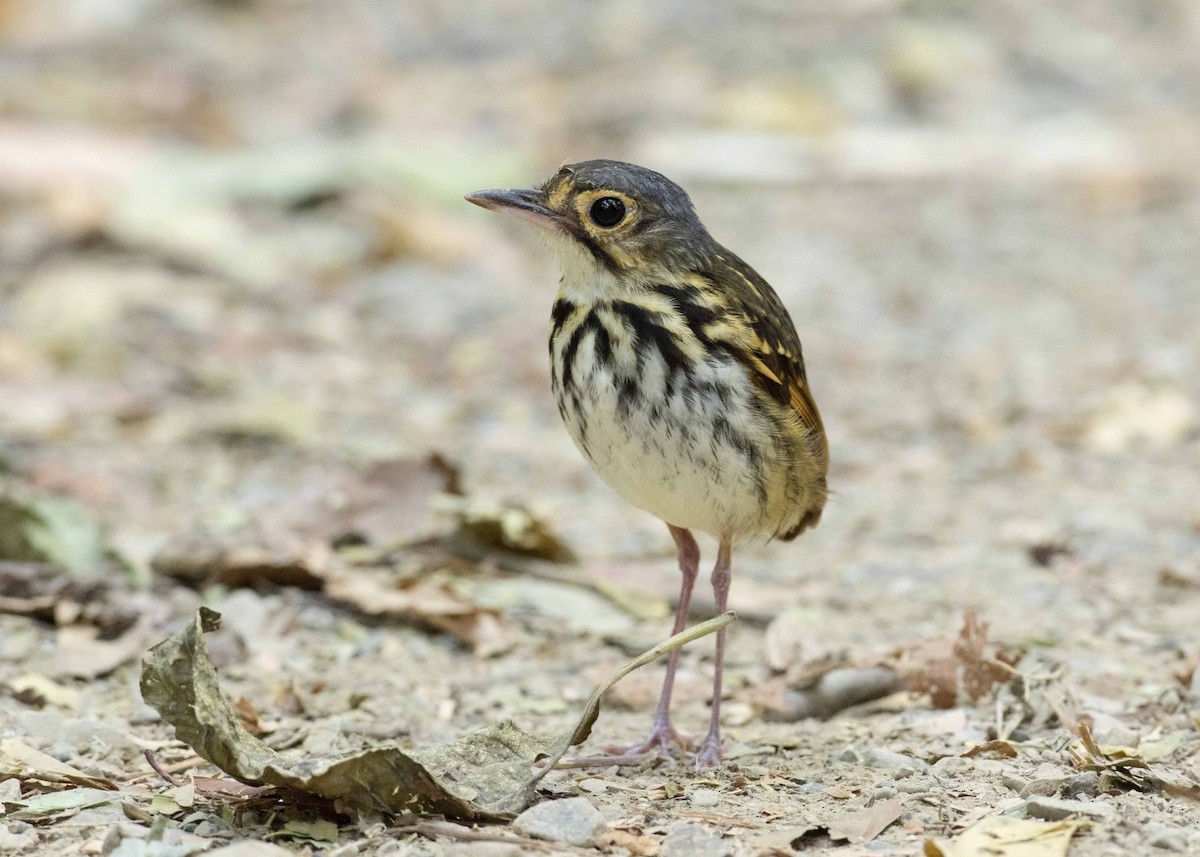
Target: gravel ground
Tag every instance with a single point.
(235, 270)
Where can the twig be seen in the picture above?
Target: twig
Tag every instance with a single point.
(158, 768)
(433, 829)
(604, 761)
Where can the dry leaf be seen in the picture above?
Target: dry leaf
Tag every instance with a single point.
(427, 597)
(638, 845)
(1004, 836)
(35, 689)
(221, 787)
(999, 748)
(866, 824)
(60, 804)
(953, 669)
(489, 774)
(386, 503)
(26, 764)
(1124, 766)
(430, 599)
(485, 527)
(81, 654)
(784, 841)
(398, 493)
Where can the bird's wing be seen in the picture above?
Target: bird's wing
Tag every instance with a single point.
(769, 342)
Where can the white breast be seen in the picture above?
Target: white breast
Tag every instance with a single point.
(678, 454)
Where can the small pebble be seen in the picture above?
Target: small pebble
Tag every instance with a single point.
(850, 754)
(111, 840)
(883, 793)
(695, 840)
(14, 843)
(1056, 809)
(705, 798)
(949, 766)
(1086, 783)
(571, 820)
(1169, 839)
(1020, 785)
(1119, 735)
(919, 784)
(898, 764)
(593, 786)
(10, 789)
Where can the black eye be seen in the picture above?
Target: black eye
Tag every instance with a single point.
(607, 211)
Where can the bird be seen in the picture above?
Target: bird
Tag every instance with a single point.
(679, 375)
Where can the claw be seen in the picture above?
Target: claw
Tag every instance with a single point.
(660, 739)
(709, 756)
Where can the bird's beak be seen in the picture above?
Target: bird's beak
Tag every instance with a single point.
(527, 205)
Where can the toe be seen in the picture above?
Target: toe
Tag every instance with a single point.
(708, 757)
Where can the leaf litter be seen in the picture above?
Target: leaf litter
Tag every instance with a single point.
(1126, 768)
(488, 775)
(22, 762)
(398, 537)
(1004, 836)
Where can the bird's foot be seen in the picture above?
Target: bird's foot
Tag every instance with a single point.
(662, 736)
(709, 755)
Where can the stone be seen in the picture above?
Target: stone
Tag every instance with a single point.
(704, 798)
(919, 784)
(695, 840)
(1056, 809)
(571, 820)
(10, 789)
(593, 786)
(1086, 783)
(949, 766)
(15, 843)
(897, 764)
(1168, 839)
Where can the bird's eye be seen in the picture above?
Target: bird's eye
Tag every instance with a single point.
(607, 211)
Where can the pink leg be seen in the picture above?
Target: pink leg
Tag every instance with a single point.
(663, 734)
(710, 753)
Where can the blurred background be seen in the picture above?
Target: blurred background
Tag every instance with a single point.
(242, 300)
(233, 249)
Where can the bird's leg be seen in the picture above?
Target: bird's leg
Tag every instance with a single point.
(663, 734)
(710, 751)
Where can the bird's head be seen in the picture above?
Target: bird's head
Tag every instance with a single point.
(608, 220)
